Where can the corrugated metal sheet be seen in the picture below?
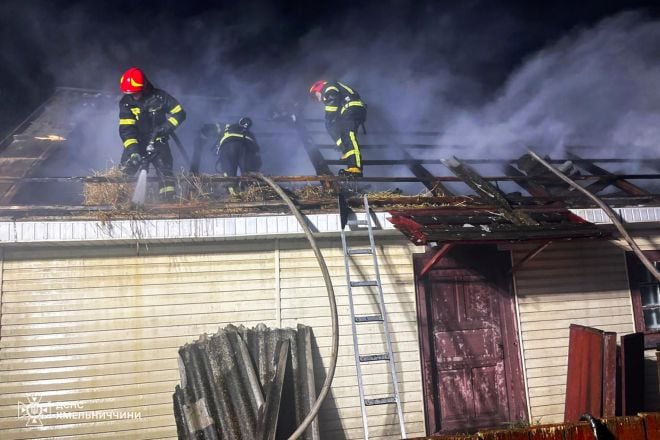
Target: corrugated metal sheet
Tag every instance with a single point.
(631, 214)
(172, 230)
(227, 379)
(568, 283)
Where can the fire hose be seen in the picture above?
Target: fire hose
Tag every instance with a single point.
(333, 307)
(610, 213)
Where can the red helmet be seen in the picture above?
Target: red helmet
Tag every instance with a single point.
(133, 81)
(317, 86)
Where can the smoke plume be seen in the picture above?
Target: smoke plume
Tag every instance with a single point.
(486, 79)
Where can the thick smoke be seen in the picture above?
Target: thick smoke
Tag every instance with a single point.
(598, 86)
(457, 69)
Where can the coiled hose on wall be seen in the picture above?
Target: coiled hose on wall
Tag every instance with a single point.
(610, 213)
(331, 298)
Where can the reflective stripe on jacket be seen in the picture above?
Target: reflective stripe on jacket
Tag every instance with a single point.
(138, 118)
(337, 97)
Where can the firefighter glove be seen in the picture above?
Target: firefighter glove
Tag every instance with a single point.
(134, 160)
(163, 130)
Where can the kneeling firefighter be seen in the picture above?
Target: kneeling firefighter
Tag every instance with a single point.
(237, 148)
(147, 117)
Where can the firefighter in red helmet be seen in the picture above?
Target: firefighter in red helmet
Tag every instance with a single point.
(344, 113)
(148, 114)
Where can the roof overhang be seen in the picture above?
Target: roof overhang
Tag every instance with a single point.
(98, 232)
(438, 225)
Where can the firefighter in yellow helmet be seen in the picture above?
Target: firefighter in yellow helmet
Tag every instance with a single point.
(148, 114)
(344, 113)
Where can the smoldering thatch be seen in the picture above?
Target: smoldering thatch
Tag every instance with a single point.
(112, 193)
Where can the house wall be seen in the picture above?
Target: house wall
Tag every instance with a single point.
(568, 283)
(101, 326)
(304, 300)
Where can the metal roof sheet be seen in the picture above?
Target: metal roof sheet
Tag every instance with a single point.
(245, 383)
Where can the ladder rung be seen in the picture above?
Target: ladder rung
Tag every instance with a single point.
(363, 283)
(365, 251)
(379, 401)
(369, 318)
(375, 357)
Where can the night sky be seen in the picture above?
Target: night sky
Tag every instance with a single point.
(451, 55)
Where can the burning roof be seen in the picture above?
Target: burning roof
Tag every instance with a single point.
(47, 170)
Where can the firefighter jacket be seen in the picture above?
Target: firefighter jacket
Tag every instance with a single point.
(338, 98)
(234, 132)
(139, 119)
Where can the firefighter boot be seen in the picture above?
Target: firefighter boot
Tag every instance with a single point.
(350, 172)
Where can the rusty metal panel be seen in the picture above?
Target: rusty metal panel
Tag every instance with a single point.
(585, 372)
(610, 385)
(448, 437)
(644, 427)
(651, 425)
(579, 431)
(505, 434)
(625, 428)
(547, 432)
(246, 383)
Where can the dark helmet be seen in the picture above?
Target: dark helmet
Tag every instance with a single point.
(245, 122)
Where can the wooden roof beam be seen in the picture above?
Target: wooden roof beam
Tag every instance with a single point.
(488, 192)
(530, 186)
(420, 171)
(622, 184)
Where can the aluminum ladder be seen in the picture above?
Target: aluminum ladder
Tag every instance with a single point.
(378, 319)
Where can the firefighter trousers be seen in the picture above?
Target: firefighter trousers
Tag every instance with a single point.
(237, 154)
(162, 162)
(344, 131)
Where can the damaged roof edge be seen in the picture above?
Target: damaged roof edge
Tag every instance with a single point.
(173, 230)
(227, 228)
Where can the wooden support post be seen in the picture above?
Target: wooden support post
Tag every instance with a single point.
(435, 258)
(529, 256)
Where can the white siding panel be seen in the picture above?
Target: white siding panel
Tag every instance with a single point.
(647, 240)
(101, 325)
(304, 300)
(568, 283)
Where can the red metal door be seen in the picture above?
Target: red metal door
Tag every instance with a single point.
(472, 370)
